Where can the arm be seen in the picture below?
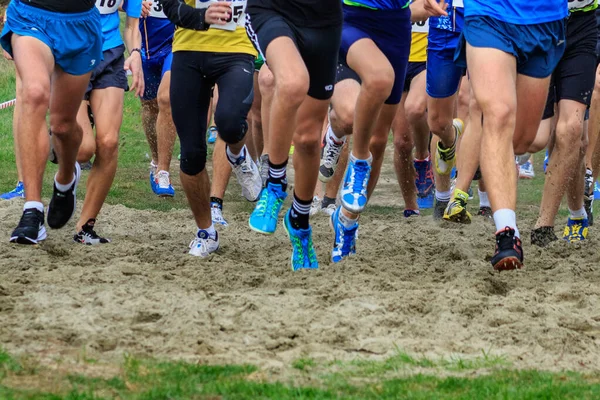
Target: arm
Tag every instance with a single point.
(418, 12)
(133, 40)
(190, 17)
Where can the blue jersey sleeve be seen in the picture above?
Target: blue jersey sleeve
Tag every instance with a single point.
(133, 8)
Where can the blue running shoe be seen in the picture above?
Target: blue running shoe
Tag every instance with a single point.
(17, 192)
(453, 173)
(303, 250)
(546, 160)
(425, 203)
(576, 230)
(162, 185)
(411, 213)
(424, 183)
(344, 241)
(212, 134)
(354, 189)
(596, 191)
(264, 217)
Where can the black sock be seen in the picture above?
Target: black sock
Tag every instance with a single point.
(217, 201)
(300, 213)
(327, 201)
(277, 174)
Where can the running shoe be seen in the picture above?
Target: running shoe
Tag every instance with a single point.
(62, 205)
(264, 217)
(523, 159)
(264, 168)
(424, 180)
(315, 207)
(344, 240)
(439, 209)
(470, 193)
(247, 175)
(576, 230)
(445, 158)
(212, 134)
(456, 211)
(203, 245)
(303, 250)
(509, 251)
(588, 196)
(52, 157)
(330, 156)
(31, 228)
(216, 213)
(153, 171)
(543, 236)
(426, 203)
(411, 213)
(17, 192)
(162, 186)
(328, 209)
(485, 211)
(526, 171)
(546, 161)
(354, 188)
(87, 235)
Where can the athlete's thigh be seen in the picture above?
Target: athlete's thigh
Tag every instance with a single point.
(236, 84)
(416, 97)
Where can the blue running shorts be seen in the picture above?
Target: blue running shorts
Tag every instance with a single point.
(154, 70)
(537, 48)
(74, 39)
(443, 75)
(391, 32)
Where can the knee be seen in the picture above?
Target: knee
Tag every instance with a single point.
(377, 146)
(403, 143)
(193, 161)
(569, 130)
(232, 127)
(379, 82)
(35, 94)
(293, 88)
(415, 112)
(438, 122)
(266, 82)
(342, 118)
(107, 145)
(164, 102)
(499, 116)
(61, 127)
(308, 136)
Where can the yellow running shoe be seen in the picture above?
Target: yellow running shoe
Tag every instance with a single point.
(456, 211)
(576, 230)
(445, 158)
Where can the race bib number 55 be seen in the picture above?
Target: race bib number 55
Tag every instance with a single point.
(107, 6)
(238, 16)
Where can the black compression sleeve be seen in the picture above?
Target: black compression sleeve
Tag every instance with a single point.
(185, 16)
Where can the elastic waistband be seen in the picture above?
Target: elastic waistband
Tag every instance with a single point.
(52, 14)
(378, 12)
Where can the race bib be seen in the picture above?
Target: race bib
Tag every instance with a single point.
(156, 10)
(421, 26)
(107, 6)
(238, 15)
(458, 4)
(580, 4)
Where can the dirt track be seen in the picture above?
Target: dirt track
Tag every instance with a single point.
(425, 288)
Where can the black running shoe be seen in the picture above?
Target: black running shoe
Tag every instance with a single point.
(62, 206)
(477, 175)
(543, 236)
(330, 157)
(439, 208)
(485, 211)
(588, 196)
(509, 253)
(31, 228)
(87, 235)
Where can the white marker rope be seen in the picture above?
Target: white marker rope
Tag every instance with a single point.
(8, 104)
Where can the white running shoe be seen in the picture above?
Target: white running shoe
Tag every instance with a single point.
(203, 245)
(329, 210)
(526, 171)
(247, 175)
(217, 216)
(315, 206)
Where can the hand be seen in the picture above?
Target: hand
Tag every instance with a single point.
(146, 8)
(6, 55)
(435, 9)
(134, 64)
(218, 13)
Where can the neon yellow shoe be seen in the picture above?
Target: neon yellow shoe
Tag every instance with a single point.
(445, 158)
(576, 230)
(456, 211)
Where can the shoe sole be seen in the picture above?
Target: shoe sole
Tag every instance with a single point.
(508, 264)
(325, 179)
(260, 230)
(460, 218)
(526, 177)
(21, 239)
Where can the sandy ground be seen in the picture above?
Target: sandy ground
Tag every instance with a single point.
(419, 285)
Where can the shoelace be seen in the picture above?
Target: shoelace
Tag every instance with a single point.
(163, 180)
(347, 236)
(333, 152)
(29, 218)
(360, 173)
(266, 205)
(89, 231)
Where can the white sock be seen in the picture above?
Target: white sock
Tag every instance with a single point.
(506, 217)
(33, 204)
(443, 196)
(64, 188)
(354, 158)
(483, 199)
(211, 231)
(333, 138)
(234, 157)
(578, 213)
(425, 159)
(348, 222)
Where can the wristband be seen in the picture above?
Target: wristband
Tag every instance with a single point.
(134, 50)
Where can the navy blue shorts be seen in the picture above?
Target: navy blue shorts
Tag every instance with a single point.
(391, 32)
(414, 69)
(74, 39)
(154, 70)
(443, 75)
(537, 48)
(110, 72)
